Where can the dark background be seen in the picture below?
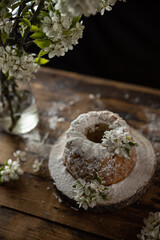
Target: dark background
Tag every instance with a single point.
(123, 45)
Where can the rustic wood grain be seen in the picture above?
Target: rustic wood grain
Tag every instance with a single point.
(18, 226)
(30, 195)
(35, 193)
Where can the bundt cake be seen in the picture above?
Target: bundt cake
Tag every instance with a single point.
(85, 154)
(96, 164)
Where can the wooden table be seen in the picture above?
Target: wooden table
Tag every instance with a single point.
(29, 207)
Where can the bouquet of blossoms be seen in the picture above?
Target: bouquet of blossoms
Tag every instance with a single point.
(54, 26)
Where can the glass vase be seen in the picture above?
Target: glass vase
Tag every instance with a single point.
(23, 117)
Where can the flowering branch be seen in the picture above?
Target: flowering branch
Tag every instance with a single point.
(118, 141)
(14, 31)
(5, 92)
(10, 171)
(55, 26)
(151, 230)
(35, 15)
(87, 194)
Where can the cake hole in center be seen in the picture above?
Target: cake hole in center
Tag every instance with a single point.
(97, 134)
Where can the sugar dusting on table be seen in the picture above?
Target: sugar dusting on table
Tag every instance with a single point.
(35, 143)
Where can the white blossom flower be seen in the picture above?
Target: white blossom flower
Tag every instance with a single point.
(20, 156)
(46, 3)
(5, 25)
(19, 66)
(106, 5)
(118, 141)
(62, 33)
(77, 8)
(87, 194)
(151, 230)
(55, 50)
(10, 171)
(37, 165)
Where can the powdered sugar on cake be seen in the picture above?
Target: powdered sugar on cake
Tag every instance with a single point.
(83, 157)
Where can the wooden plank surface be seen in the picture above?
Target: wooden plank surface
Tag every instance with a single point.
(34, 199)
(29, 227)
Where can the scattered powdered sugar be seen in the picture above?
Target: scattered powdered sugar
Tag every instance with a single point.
(153, 124)
(55, 108)
(136, 100)
(92, 96)
(95, 103)
(36, 144)
(33, 136)
(59, 110)
(126, 95)
(61, 119)
(57, 197)
(53, 122)
(42, 150)
(54, 112)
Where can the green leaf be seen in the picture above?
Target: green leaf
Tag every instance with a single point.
(98, 178)
(34, 28)
(38, 35)
(4, 37)
(74, 186)
(1, 168)
(75, 20)
(41, 53)
(14, 6)
(26, 22)
(51, 8)
(44, 14)
(25, 10)
(7, 14)
(133, 144)
(128, 138)
(128, 152)
(10, 78)
(104, 196)
(42, 43)
(41, 61)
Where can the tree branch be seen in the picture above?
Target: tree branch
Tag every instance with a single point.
(15, 25)
(5, 92)
(35, 15)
